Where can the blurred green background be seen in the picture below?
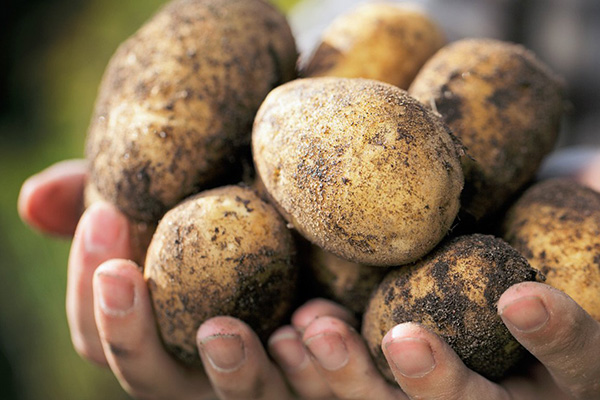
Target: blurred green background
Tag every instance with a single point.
(53, 53)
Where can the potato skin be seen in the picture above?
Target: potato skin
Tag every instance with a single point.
(380, 41)
(555, 224)
(178, 99)
(453, 292)
(358, 167)
(221, 252)
(347, 283)
(504, 104)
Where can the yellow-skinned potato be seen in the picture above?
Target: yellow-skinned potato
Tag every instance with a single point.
(221, 252)
(453, 292)
(382, 41)
(178, 99)
(358, 167)
(555, 224)
(504, 104)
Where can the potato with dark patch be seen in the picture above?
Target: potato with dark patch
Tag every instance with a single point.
(504, 104)
(382, 41)
(221, 252)
(555, 224)
(453, 292)
(347, 283)
(178, 99)
(358, 167)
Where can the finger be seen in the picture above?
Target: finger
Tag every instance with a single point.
(52, 200)
(131, 341)
(102, 234)
(558, 332)
(316, 308)
(425, 367)
(236, 363)
(590, 174)
(286, 347)
(341, 357)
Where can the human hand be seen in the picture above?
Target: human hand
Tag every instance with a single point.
(51, 202)
(563, 337)
(109, 310)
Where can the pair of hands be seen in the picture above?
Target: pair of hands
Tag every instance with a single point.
(319, 355)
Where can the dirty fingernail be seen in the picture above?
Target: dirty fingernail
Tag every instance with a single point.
(329, 349)
(225, 353)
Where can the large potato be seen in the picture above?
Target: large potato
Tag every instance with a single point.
(178, 99)
(358, 167)
(383, 41)
(504, 104)
(221, 252)
(453, 292)
(555, 224)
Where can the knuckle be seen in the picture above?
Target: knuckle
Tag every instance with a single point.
(233, 390)
(121, 350)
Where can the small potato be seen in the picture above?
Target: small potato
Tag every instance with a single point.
(504, 104)
(381, 41)
(347, 283)
(453, 292)
(178, 99)
(220, 252)
(358, 167)
(555, 224)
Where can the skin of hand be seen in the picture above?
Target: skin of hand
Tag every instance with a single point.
(320, 354)
(109, 310)
(562, 336)
(590, 174)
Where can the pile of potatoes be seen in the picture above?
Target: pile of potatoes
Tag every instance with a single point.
(377, 173)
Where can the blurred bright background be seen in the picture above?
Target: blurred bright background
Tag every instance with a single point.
(53, 55)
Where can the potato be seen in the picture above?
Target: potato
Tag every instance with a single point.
(358, 167)
(555, 224)
(140, 232)
(504, 104)
(453, 292)
(381, 41)
(221, 252)
(178, 99)
(347, 283)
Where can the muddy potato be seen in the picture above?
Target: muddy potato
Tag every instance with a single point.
(221, 252)
(555, 224)
(358, 167)
(382, 41)
(504, 104)
(347, 283)
(178, 99)
(140, 232)
(453, 292)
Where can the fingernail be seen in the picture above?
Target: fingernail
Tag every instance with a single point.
(329, 350)
(116, 294)
(104, 230)
(225, 353)
(411, 356)
(527, 314)
(288, 351)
